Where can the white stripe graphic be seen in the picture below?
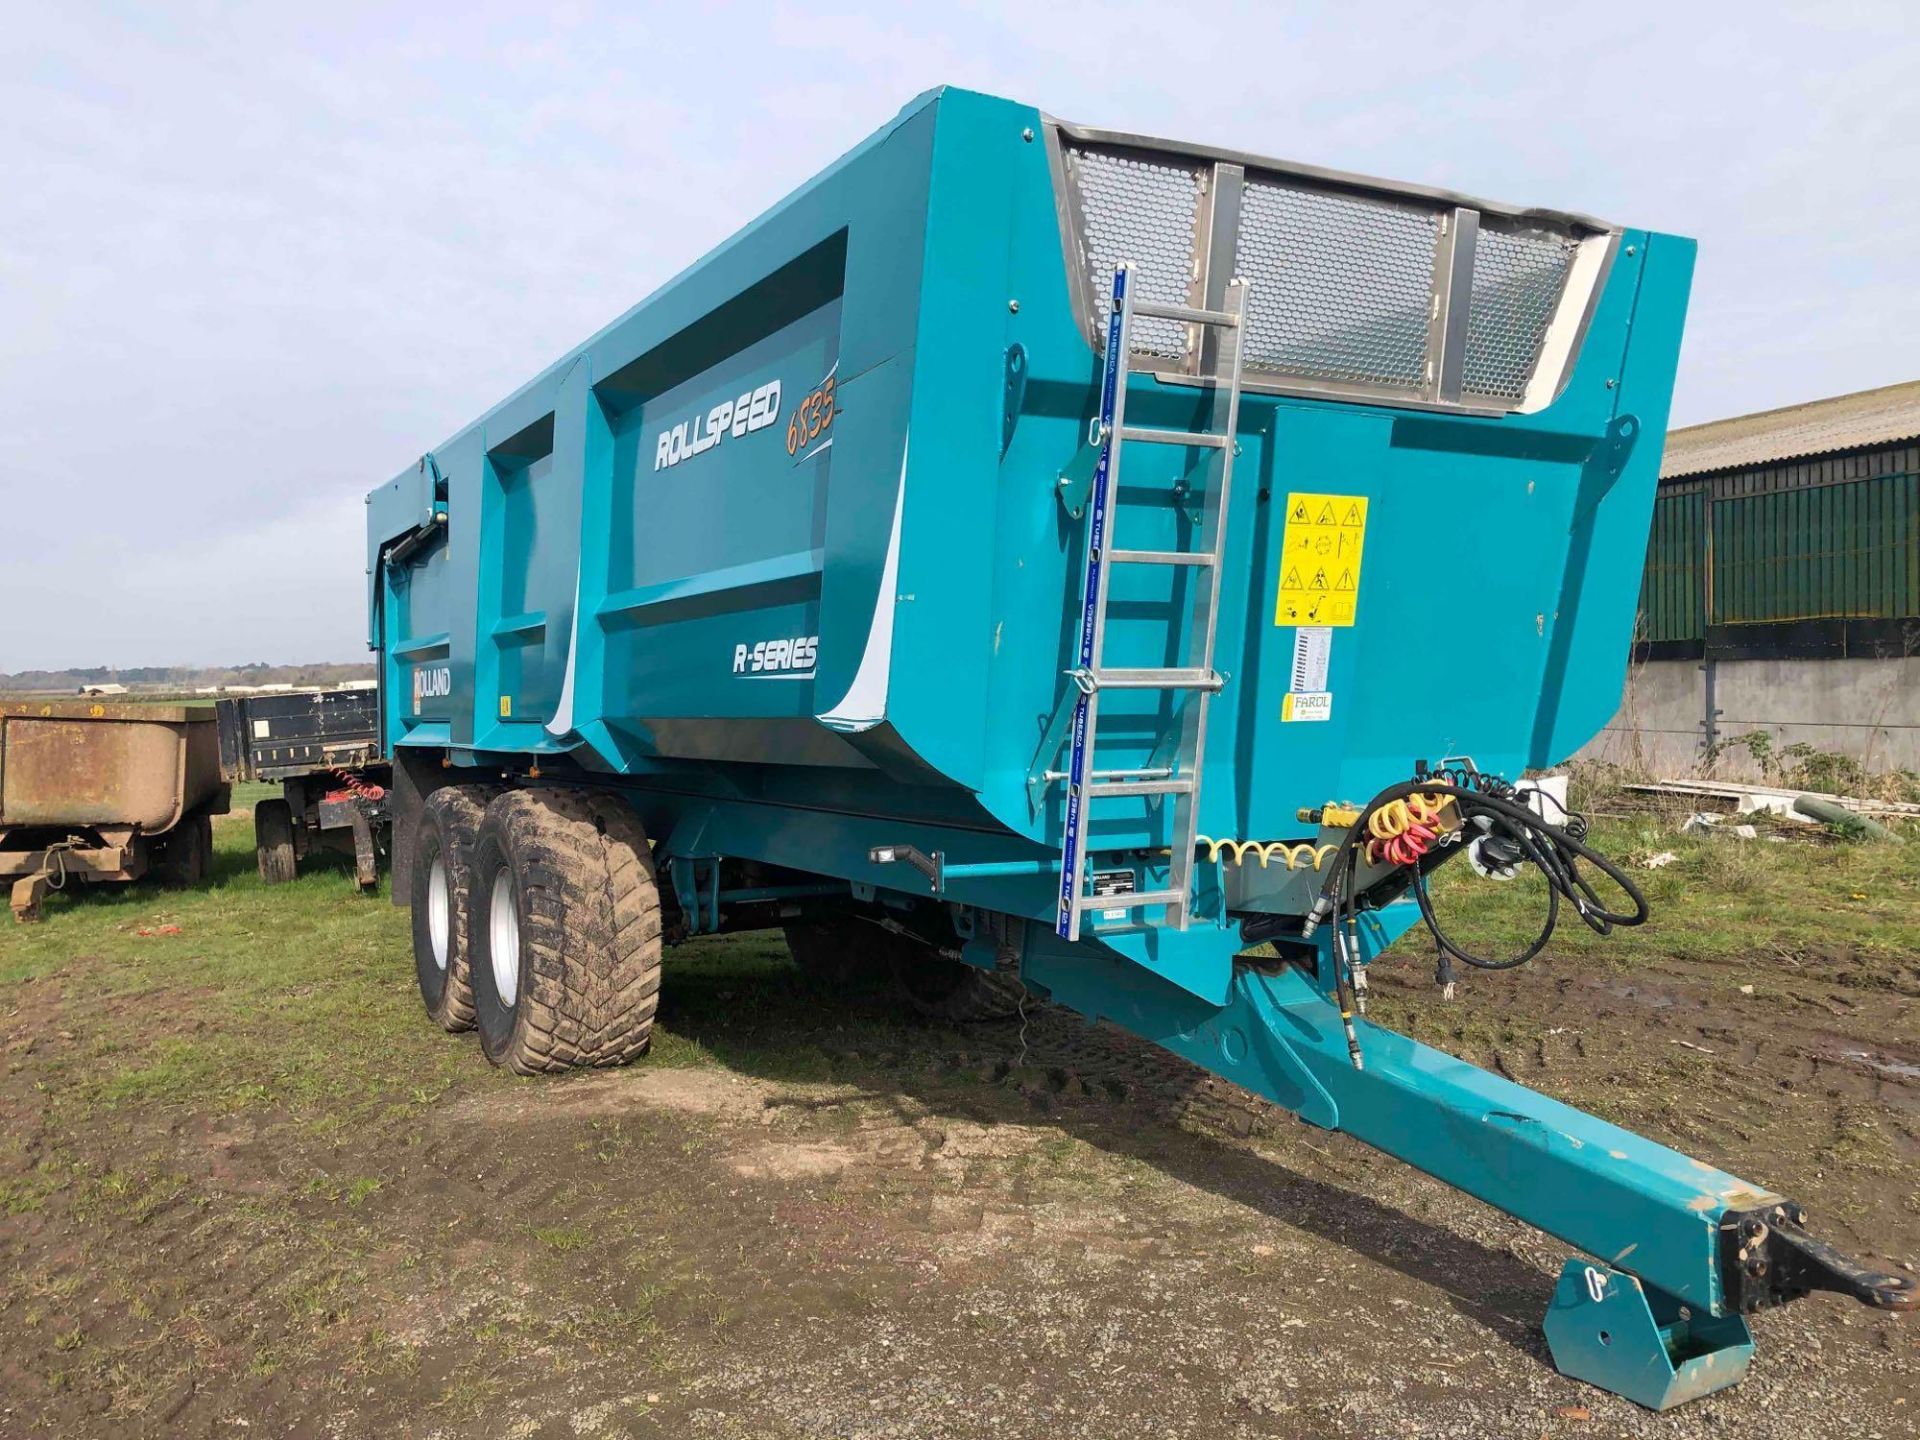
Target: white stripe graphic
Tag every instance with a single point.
(865, 703)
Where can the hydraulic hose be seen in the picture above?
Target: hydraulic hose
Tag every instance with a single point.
(1555, 850)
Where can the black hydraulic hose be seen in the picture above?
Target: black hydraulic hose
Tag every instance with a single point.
(1551, 848)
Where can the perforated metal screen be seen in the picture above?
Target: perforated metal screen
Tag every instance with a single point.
(1144, 212)
(1341, 288)
(1345, 283)
(1518, 278)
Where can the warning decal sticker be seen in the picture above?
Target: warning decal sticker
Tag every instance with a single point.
(1307, 695)
(1320, 559)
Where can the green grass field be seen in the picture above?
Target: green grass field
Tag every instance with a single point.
(306, 991)
(240, 1173)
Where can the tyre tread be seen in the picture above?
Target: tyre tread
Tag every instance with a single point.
(457, 810)
(590, 921)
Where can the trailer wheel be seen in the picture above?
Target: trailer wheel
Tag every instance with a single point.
(273, 841)
(564, 932)
(843, 954)
(443, 844)
(953, 991)
(186, 853)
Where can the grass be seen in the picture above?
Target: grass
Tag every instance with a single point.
(1719, 899)
(287, 1022)
(302, 1000)
(300, 997)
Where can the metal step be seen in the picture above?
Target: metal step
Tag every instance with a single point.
(1137, 901)
(1156, 772)
(1138, 787)
(1157, 679)
(1159, 557)
(1185, 314)
(1154, 435)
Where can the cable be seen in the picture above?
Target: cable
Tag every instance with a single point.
(1295, 856)
(1398, 825)
(55, 856)
(360, 789)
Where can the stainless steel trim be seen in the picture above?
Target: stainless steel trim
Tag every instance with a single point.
(1565, 338)
(1223, 239)
(1066, 205)
(1215, 241)
(1339, 179)
(1354, 394)
(1452, 295)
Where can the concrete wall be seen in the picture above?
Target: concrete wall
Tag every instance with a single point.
(1868, 709)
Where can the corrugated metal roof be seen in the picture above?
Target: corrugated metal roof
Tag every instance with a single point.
(1845, 422)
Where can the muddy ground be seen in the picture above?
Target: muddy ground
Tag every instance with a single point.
(285, 1207)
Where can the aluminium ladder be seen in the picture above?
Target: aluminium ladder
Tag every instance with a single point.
(1184, 746)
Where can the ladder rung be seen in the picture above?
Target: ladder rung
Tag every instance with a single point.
(1154, 435)
(1157, 772)
(1185, 314)
(1160, 557)
(1157, 680)
(1138, 901)
(1138, 787)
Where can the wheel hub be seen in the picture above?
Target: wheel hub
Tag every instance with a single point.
(439, 911)
(503, 939)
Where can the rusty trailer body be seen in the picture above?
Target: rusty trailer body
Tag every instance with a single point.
(91, 791)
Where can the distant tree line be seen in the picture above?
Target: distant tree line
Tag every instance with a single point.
(183, 677)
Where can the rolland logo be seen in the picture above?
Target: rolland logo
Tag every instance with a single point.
(431, 682)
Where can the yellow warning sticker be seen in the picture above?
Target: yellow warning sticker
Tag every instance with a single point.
(1320, 559)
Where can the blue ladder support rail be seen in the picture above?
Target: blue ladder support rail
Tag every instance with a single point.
(1066, 926)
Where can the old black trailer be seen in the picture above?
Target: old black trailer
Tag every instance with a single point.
(323, 747)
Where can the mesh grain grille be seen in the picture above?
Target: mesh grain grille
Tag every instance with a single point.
(1517, 281)
(1343, 283)
(1143, 212)
(1341, 288)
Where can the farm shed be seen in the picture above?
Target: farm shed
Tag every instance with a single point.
(1782, 588)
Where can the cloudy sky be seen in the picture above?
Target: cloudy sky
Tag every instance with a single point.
(253, 260)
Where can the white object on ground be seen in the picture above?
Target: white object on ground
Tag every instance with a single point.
(1772, 802)
(1553, 808)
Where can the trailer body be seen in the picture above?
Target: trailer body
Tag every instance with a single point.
(93, 792)
(323, 748)
(791, 558)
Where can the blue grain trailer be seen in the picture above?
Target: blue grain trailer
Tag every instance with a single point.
(1036, 557)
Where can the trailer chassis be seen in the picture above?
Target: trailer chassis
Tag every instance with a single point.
(1675, 1254)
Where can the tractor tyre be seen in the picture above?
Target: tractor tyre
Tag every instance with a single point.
(563, 931)
(443, 844)
(186, 853)
(952, 991)
(841, 954)
(273, 841)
